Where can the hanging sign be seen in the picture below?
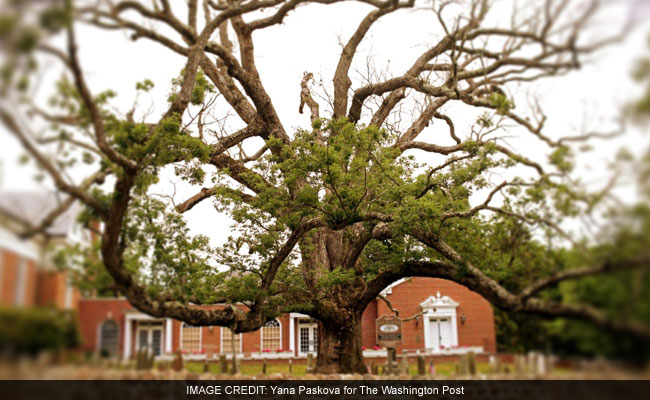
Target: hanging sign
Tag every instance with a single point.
(388, 330)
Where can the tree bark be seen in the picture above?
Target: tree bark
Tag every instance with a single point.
(339, 347)
(336, 307)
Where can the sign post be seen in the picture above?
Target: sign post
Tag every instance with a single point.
(389, 334)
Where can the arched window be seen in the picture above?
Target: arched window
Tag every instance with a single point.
(108, 334)
(272, 336)
(190, 337)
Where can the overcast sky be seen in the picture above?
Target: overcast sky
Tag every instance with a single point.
(309, 40)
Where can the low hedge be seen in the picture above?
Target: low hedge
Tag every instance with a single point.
(30, 331)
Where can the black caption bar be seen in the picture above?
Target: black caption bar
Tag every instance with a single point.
(316, 390)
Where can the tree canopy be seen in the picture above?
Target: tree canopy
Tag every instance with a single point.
(395, 174)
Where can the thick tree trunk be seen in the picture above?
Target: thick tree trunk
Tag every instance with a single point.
(339, 347)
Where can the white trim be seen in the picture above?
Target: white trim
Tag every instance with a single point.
(292, 334)
(292, 331)
(149, 330)
(128, 318)
(312, 335)
(168, 335)
(241, 340)
(127, 337)
(200, 328)
(437, 307)
(389, 289)
(298, 315)
(262, 336)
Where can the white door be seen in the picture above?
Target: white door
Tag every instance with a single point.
(440, 334)
(150, 338)
(307, 338)
(444, 325)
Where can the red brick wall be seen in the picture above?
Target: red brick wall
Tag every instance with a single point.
(9, 269)
(31, 279)
(477, 330)
(10, 264)
(211, 338)
(368, 318)
(51, 289)
(92, 312)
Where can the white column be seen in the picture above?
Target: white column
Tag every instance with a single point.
(426, 321)
(168, 335)
(292, 338)
(454, 329)
(127, 338)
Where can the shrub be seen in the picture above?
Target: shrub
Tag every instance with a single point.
(30, 331)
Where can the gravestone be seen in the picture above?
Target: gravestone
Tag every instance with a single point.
(223, 364)
(492, 364)
(234, 369)
(404, 367)
(471, 363)
(520, 365)
(464, 365)
(541, 364)
(178, 363)
(550, 363)
(390, 356)
(421, 366)
(531, 362)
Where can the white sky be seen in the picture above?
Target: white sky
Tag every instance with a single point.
(309, 40)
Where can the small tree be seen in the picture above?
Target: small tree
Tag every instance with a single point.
(329, 215)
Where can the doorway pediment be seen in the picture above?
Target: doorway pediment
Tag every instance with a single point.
(438, 301)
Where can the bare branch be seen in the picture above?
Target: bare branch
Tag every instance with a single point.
(306, 98)
(342, 82)
(93, 109)
(606, 267)
(44, 162)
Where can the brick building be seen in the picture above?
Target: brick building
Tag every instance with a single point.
(28, 277)
(442, 317)
(447, 319)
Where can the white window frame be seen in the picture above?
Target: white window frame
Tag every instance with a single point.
(312, 336)
(262, 336)
(188, 326)
(155, 324)
(241, 341)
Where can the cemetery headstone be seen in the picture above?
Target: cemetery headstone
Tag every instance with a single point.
(421, 365)
(223, 364)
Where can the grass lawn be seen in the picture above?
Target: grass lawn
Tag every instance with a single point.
(248, 369)
(442, 369)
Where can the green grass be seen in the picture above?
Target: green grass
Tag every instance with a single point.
(248, 369)
(442, 369)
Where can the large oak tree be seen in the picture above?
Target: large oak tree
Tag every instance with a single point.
(393, 175)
